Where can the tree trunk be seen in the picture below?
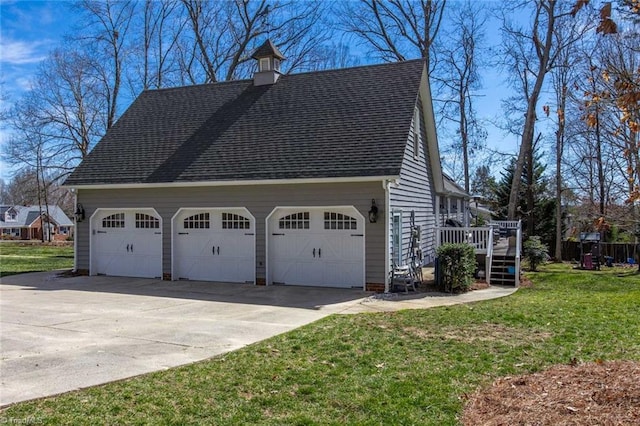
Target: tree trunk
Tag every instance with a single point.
(601, 192)
(526, 145)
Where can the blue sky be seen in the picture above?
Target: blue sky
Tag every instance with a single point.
(30, 29)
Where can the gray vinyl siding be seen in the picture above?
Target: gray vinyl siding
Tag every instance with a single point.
(260, 200)
(415, 192)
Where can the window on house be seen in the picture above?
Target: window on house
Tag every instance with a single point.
(63, 230)
(235, 221)
(264, 64)
(11, 216)
(334, 220)
(416, 133)
(197, 221)
(115, 220)
(145, 221)
(294, 221)
(276, 64)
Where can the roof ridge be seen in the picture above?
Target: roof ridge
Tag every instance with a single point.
(245, 80)
(357, 67)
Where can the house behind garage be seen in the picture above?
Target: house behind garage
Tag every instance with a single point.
(313, 179)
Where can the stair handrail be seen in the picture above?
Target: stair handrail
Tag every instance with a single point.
(518, 251)
(488, 263)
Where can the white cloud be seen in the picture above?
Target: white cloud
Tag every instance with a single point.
(22, 52)
(23, 83)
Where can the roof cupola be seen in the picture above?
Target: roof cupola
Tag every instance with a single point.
(269, 59)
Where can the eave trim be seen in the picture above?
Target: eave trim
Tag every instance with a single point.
(232, 183)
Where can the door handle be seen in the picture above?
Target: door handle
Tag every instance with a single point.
(213, 250)
(131, 248)
(218, 251)
(127, 248)
(319, 252)
(314, 252)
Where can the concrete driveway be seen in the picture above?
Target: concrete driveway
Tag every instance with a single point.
(64, 333)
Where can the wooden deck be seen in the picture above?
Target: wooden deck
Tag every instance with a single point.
(502, 257)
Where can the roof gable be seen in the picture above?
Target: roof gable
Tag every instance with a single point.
(351, 122)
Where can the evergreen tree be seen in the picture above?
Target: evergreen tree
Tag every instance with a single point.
(542, 213)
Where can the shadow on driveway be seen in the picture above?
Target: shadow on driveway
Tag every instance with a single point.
(283, 296)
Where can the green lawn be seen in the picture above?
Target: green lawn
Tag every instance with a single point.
(17, 258)
(408, 367)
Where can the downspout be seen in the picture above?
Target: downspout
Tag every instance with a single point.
(75, 230)
(387, 233)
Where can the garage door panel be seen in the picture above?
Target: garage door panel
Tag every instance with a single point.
(316, 246)
(213, 244)
(127, 243)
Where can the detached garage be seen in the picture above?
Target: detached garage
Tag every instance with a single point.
(126, 243)
(276, 180)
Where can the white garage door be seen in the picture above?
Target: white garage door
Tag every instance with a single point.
(126, 243)
(319, 246)
(213, 244)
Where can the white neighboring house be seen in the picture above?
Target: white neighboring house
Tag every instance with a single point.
(31, 223)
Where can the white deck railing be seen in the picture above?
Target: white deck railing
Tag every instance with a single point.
(506, 224)
(480, 238)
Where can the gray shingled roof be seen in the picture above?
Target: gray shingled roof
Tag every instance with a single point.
(267, 49)
(451, 187)
(351, 122)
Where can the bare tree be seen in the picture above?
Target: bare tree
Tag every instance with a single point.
(55, 123)
(395, 30)
(460, 62)
(531, 53)
(161, 30)
(224, 34)
(105, 35)
(618, 72)
(564, 78)
(27, 149)
(21, 189)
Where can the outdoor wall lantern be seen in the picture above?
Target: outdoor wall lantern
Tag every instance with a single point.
(79, 213)
(373, 212)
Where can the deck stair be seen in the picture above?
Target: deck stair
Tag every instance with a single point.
(503, 266)
(503, 254)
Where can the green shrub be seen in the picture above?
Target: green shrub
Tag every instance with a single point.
(535, 252)
(457, 264)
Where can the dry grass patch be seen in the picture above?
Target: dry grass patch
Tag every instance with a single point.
(488, 332)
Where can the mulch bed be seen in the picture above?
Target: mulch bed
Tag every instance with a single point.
(598, 393)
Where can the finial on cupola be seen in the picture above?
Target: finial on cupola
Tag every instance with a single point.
(269, 58)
